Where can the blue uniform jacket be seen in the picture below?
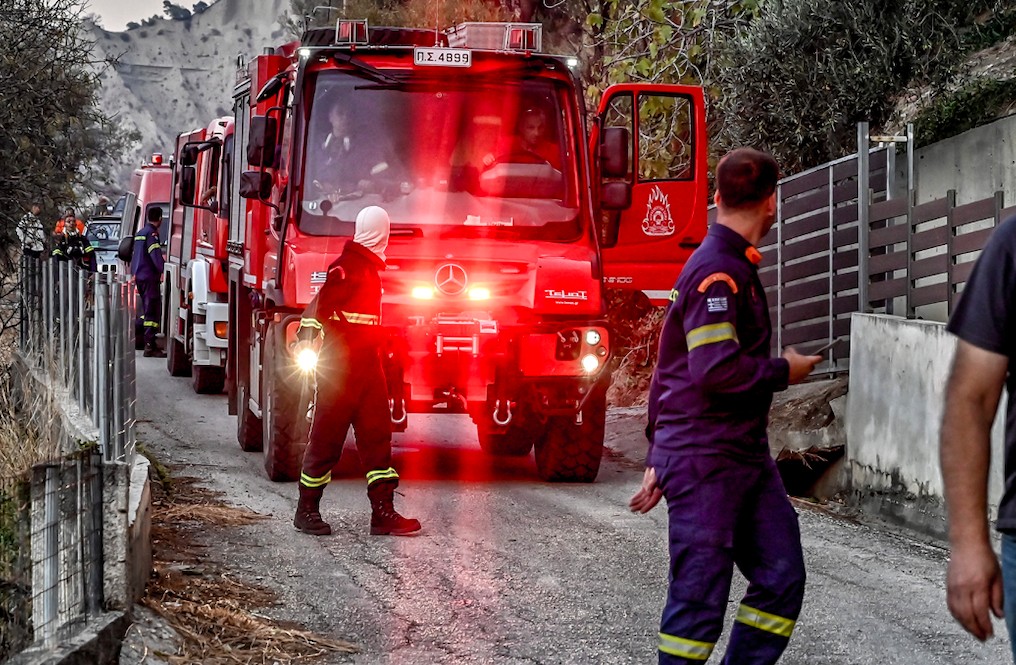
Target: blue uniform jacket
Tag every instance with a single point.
(147, 261)
(714, 378)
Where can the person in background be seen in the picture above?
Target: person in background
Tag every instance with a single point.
(31, 233)
(146, 265)
(709, 453)
(343, 321)
(985, 324)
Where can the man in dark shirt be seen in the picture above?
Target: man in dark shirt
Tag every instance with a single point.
(709, 453)
(349, 162)
(985, 362)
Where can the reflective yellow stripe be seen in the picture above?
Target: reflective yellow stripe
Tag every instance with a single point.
(155, 246)
(381, 474)
(362, 319)
(711, 334)
(89, 249)
(139, 237)
(311, 323)
(683, 648)
(770, 623)
(307, 481)
(151, 324)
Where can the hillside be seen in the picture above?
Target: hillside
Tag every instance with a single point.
(177, 75)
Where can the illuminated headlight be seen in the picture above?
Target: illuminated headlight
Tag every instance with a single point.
(304, 53)
(590, 363)
(306, 360)
(592, 337)
(423, 293)
(573, 63)
(479, 293)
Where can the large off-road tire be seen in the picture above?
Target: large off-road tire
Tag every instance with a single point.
(177, 361)
(207, 380)
(249, 429)
(570, 452)
(283, 414)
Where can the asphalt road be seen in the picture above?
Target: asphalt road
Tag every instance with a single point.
(511, 570)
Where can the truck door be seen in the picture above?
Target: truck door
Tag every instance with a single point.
(648, 234)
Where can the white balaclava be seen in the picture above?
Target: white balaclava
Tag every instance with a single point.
(372, 228)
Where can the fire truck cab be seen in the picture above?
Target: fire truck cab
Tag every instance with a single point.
(508, 219)
(195, 274)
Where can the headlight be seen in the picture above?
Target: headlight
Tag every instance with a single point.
(592, 337)
(590, 363)
(306, 360)
(423, 293)
(479, 293)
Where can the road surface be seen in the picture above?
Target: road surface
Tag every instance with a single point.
(511, 570)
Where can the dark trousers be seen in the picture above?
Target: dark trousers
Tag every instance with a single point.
(351, 390)
(725, 512)
(150, 292)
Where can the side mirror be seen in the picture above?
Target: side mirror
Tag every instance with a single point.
(615, 196)
(188, 184)
(189, 155)
(614, 152)
(264, 131)
(256, 185)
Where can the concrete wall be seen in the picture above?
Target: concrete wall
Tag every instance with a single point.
(976, 163)
(898, 370)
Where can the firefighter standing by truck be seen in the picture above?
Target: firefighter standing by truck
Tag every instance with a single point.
(147, 265)
(343, 321)
(709, 454)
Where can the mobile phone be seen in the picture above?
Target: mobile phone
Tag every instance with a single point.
(822, 349)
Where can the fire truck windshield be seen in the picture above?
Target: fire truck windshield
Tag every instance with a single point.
(445, 156)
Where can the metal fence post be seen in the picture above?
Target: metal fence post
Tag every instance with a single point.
(863, 225)
(102, 395)
(116, 330)
(779, 268)
(96, 599)
(949, 253)
(82, 342)
(909, 307)
(51, 558)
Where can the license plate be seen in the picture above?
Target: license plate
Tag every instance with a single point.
(442, 57)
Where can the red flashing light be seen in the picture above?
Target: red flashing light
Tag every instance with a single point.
(157, 159)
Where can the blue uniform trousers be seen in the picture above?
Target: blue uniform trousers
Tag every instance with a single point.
(724, 512)
(150, 291)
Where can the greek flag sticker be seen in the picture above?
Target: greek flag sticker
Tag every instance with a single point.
(716, 304)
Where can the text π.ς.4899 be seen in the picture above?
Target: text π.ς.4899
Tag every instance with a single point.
(442, 57)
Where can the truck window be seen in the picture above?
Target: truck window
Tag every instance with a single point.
(666, 120)
(443, 155)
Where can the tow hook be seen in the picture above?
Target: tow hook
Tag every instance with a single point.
(398, 410)
(499, 420)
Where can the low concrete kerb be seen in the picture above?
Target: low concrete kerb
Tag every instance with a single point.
(98, 643)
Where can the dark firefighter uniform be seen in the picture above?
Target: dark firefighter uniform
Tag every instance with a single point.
(708, 411)
(147, 264)
(69, 245)
(351, 390)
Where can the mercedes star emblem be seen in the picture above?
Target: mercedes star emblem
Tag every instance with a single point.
(451, 279)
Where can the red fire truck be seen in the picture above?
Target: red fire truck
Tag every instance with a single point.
(503, 234)
(195, 274)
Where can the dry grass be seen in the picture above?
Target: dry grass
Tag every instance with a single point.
(213, 613)
(636, 326)
(27, 425)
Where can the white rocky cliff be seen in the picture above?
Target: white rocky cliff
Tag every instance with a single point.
(176, 75)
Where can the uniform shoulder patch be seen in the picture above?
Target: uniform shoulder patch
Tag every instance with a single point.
(338, 272)
(717, 277)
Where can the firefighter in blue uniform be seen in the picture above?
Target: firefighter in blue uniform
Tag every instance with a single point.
(146, 264)
(709, 455)
(343, 321)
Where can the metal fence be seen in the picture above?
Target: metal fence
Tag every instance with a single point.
(77, 340)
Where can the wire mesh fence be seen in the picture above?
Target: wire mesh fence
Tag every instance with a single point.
(77, 341)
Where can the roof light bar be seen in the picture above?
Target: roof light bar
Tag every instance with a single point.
(351, 31)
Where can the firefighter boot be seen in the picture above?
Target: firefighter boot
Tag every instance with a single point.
(153, 351)
(384, 521)
(308, 513)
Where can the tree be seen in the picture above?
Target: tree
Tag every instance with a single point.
(174, 11)
(199, 7)
(54, 142)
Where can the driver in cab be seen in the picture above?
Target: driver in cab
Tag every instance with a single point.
(350, 163)
(530, 144)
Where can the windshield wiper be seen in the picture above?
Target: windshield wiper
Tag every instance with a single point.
(366, 71)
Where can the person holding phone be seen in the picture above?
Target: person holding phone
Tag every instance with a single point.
(708, 451)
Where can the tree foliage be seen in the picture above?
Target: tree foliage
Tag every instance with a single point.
(174, 11)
